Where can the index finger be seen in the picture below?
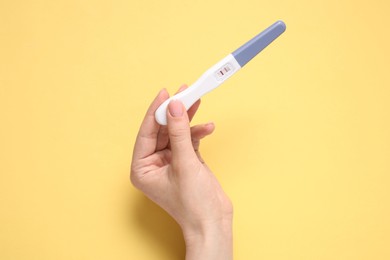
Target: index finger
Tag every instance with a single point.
(192, 110)
(146, 141)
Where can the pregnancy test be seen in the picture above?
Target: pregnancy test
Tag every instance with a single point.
(223, 70)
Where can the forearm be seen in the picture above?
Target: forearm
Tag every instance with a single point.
(212, 242)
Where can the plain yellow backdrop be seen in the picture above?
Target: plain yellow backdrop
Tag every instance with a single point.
(302, 140)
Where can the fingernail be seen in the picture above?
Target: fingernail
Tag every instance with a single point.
(175, 108)
(164, 90)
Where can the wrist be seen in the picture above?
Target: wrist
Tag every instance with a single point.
(210, 240)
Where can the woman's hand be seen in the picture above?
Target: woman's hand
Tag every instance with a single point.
(168, 168)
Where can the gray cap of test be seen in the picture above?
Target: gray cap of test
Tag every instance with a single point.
(250, 49)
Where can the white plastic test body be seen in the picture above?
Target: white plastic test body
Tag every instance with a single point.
(223, 70)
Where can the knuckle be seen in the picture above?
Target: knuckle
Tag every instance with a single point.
(179, 135)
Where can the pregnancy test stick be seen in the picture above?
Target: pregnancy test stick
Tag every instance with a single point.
(223, 70)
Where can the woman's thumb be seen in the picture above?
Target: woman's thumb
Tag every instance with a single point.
(179, 133)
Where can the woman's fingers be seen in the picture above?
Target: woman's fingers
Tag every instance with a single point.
(179, 136)
(162, 138)
(146, 141)
(192, 110)
(200, 131)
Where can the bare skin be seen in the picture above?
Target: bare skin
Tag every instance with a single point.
(168, 168)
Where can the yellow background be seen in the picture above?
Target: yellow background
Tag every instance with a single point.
(302, 140)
